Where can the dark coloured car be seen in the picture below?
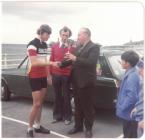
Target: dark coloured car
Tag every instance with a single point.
(109, 71)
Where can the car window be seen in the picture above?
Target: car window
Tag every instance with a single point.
(102, 68)
(25, 64)
(115, 62)
(98, 68)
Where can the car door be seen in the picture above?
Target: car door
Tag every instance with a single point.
(17, 80)
(106, 90)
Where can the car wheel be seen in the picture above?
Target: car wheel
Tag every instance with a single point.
(5, 93)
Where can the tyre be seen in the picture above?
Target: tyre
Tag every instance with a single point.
(5, 93)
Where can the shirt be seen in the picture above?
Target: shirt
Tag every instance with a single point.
(37, 48)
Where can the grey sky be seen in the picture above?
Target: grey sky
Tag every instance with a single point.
(37, 10)
(110, 22)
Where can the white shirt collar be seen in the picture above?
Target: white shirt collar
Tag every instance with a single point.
(60, 43)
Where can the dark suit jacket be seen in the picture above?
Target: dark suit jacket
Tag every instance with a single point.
(84, 68)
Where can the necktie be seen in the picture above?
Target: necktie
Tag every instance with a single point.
(63, 45)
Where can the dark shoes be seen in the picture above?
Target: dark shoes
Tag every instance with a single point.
(30, 134)
(75, 130)
(88, 134)
(42, 130)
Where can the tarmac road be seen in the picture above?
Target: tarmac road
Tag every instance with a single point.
(15, 120)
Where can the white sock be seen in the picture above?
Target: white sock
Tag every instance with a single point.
(30, 128)
(36, 125)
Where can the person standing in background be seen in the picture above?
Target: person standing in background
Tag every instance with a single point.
(61, 78)
(128, 93)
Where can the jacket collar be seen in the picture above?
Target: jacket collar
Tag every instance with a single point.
(125, 76)
(130, 71)
(83, 48)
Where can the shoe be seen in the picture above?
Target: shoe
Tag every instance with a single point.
(67, 122)
(88, 134)
(75, 130)
(42, 130)
(30, 134)
(56, 120)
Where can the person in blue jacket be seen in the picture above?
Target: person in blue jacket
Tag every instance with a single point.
(137, 112)
(128, 93)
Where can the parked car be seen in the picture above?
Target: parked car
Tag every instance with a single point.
(108, 69)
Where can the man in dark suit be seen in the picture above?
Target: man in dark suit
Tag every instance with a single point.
(84, 79)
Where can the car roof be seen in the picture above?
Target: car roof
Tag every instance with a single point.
(119, 49)
(111, 50)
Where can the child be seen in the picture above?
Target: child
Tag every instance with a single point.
(128, 93)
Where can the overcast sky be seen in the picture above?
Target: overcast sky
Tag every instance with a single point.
(111, 23)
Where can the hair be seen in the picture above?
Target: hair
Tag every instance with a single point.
(131, 57)
(66, 29)
(44, 28)
(87, 31)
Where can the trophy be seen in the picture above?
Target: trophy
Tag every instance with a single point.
(65, 62)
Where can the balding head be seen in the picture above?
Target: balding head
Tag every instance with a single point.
(86, 31)
(84, 35)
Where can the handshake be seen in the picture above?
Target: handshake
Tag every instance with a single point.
(68, 59)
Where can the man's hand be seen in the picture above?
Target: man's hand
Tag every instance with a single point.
(70, 56)
(55, 64)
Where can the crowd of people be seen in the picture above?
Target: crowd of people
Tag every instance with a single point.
(74, 64)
